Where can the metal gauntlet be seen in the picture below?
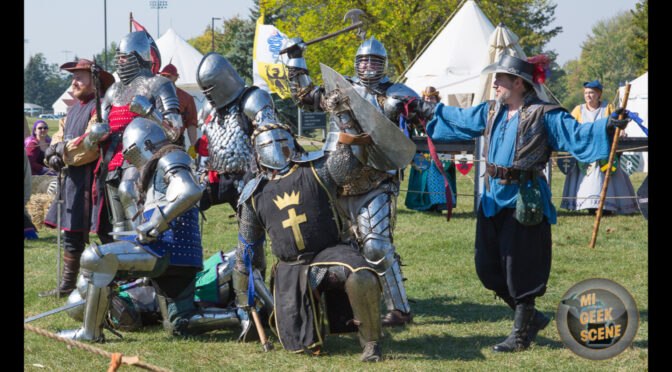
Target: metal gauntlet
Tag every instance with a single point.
(98, 133)
(171, 123)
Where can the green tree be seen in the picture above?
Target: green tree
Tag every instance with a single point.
(110, 53)
(43, 83)
(604, 56)
(639, 43)
(404, 27)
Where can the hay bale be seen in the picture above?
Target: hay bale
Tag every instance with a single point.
(37, 208)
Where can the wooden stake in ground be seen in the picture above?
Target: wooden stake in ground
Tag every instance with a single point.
(607, 176)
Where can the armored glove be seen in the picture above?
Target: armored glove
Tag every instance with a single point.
(54, 156)
(99, 133)
(148, 231)
(614, 122)
(297, 47)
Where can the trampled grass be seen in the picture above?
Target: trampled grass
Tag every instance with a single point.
(456, 323)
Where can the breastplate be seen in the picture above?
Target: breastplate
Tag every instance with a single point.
(229, 147)
(141, 85)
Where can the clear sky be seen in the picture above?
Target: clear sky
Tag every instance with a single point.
(61, 29)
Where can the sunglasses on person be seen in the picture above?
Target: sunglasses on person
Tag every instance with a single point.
(41, 128)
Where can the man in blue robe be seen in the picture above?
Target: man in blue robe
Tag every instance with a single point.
(513, 232)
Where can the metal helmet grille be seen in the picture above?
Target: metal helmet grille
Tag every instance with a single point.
(130, 69)
(141, 138)
(218, 80)
(371, 61)
(370, 69)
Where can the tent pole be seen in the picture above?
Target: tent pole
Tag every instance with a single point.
(430, 40)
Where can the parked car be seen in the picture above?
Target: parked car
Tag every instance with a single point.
(48, 116)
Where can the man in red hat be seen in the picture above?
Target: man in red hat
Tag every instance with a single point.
(67, 149)
(187, 108)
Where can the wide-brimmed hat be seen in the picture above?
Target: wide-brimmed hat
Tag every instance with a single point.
(534, 70)
(106, 79)
(430, 91)
(170, 69)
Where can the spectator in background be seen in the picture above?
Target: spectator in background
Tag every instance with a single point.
(425, 183)
(187, 108)
(29, 230)
(583, 184)
(68, 149)
(35, 146)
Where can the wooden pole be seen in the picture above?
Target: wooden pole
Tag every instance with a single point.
(260, 330)
(130, 21)
(607, 176)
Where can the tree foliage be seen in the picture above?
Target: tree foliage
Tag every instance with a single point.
(639, 43)
(43, 83)
(404, 27)
(605, 57)
(109, 53)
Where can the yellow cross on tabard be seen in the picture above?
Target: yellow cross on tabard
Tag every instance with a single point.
(293, 221)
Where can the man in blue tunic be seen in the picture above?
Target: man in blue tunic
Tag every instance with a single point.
(513, 232)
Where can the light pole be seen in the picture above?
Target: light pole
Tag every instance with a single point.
(158, 4)
(213, 32)
(105, 26)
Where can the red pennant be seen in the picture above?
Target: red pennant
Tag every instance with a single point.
(464, 168)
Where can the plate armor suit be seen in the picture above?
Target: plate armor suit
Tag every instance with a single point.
(166, 245)
(313, 258)
(138, 93)
(229, 161)
(369, 201)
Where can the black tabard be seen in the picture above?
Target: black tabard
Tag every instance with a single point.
(297, 212)
(77, 178)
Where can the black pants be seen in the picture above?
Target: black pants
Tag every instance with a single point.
(74, 241)
(511, 259)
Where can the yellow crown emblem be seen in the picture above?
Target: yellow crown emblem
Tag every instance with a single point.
(287, 200)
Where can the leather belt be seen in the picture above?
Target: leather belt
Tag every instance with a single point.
(507, 175)
(302, 259)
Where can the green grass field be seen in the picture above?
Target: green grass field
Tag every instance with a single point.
(456, 323)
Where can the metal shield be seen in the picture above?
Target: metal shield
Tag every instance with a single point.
(565, 163)
(643, 198)
(390, 149)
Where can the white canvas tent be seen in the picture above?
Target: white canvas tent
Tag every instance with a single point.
(638, 102)
(453, 60)
(63, 103)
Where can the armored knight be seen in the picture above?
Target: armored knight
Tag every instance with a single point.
(226, 151)
(369, 201)
(293, 200)
(166, 246)
(138, 93)
(135, 304)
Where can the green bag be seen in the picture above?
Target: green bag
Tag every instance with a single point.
(529, 207)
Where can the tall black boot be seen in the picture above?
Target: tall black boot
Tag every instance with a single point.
(68, 276)
(539, 320)
(517, 339)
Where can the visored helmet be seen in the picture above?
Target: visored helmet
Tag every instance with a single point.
(142, 137)
(274, 144)
(370, 62)
(134, 53)
(218, 80)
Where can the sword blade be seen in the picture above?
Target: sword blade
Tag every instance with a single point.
(54, 311)
(123, 233)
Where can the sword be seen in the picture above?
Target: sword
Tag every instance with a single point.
(54, 311)
(58, 233)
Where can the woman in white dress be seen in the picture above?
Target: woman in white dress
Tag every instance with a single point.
(583, 184)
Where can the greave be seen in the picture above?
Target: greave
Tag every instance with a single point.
(116, 208)
(363, 293)
(394, 290)
(97, 300)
